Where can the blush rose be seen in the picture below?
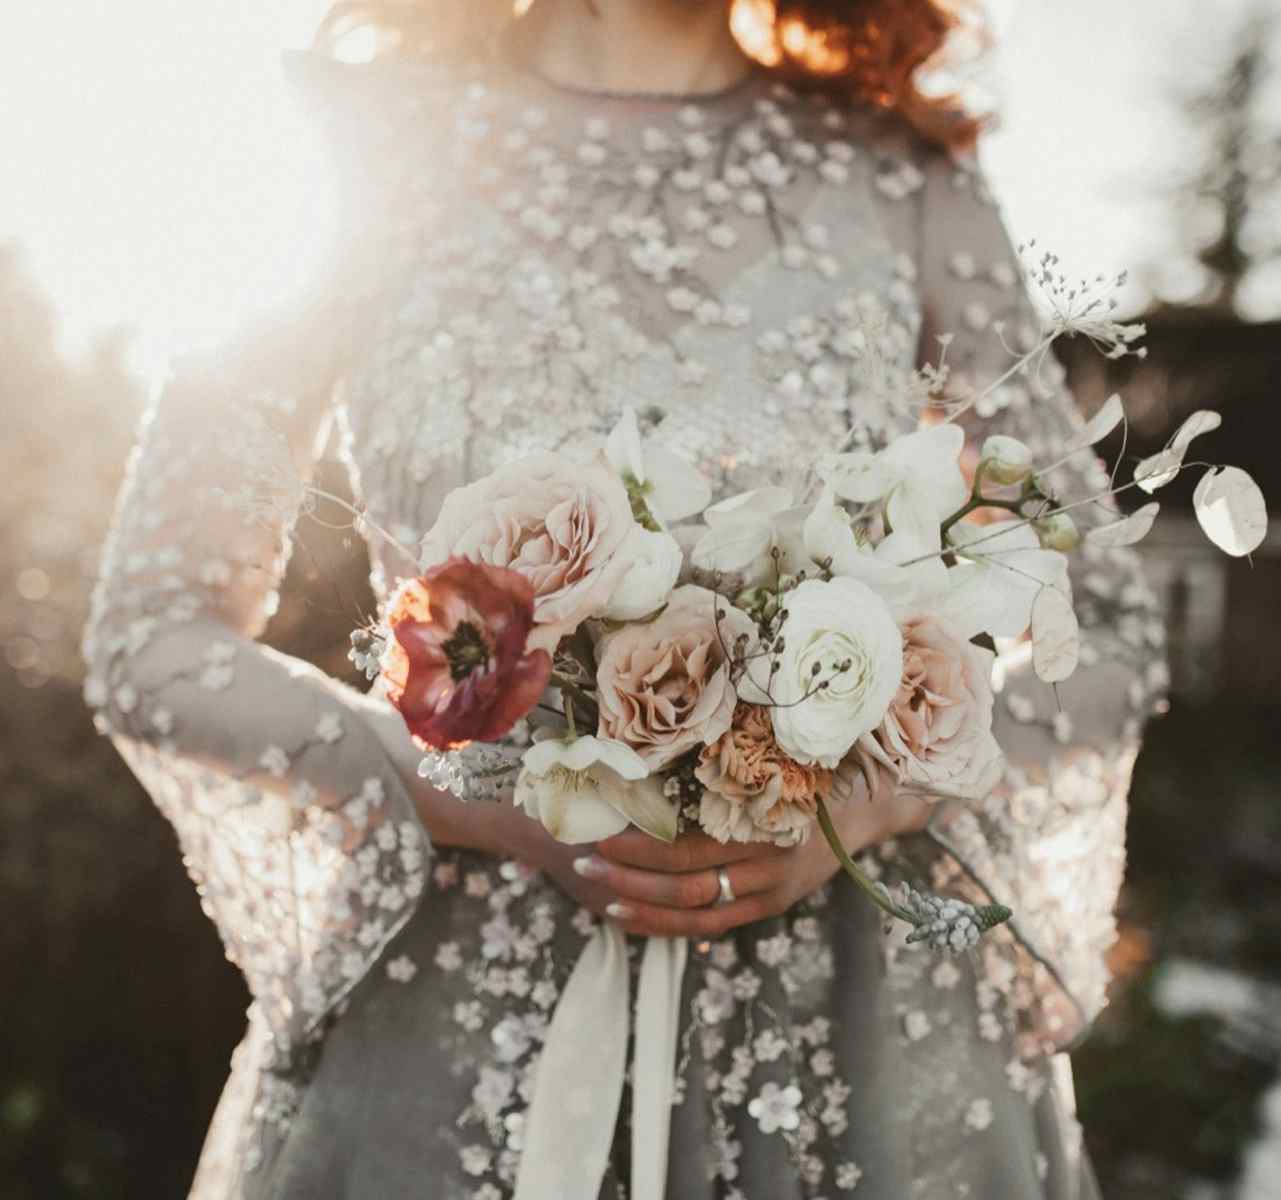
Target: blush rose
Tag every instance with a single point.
(937, 732)
(664, 686)
(559, 524)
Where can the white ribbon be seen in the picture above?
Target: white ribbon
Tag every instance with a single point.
(578, 1084)
(658, 1018)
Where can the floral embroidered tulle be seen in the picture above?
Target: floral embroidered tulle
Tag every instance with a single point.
(758, 275)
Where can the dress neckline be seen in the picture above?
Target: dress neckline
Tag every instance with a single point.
(509, 57)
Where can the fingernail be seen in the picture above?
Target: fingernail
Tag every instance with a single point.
(620, 912)
(589, 868)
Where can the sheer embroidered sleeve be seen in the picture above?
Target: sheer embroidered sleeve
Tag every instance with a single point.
(296, 825)
(1049, 841)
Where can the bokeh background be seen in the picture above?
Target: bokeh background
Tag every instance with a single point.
(158, 188)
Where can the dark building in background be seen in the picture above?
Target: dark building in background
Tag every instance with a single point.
(1225, 631)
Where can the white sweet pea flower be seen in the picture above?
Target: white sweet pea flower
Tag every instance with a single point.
(589, 788)
(922, 468)
(840, 666)
(671, 487)
(997, 578)
(655, 562)
(743, 532)
(829, 538)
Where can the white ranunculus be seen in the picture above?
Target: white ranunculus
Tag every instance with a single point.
(829, 623)
(997, 578)
(655, 561)
(829, 538)
(923, 466)
(672, 488)
(591, 788)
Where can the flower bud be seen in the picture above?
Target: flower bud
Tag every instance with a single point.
(1005, 460)
(760, 602)
(1058, 532)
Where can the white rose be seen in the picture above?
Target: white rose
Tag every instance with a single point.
(591, 788)
(829, 625)
(654, 564)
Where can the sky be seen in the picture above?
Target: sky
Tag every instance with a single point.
(156, 171)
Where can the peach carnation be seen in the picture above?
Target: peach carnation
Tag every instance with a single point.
(753, 791)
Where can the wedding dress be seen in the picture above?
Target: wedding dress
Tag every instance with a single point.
(757, 272)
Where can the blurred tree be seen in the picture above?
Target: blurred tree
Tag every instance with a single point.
(119, 1009)
(1229, 201)
(68, 427)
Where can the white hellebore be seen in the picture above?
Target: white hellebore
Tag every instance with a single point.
(830, 625)
(744, 531)
(671, 488)
(590, 788)
(654, 561)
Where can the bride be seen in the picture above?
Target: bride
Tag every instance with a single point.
(749, 222)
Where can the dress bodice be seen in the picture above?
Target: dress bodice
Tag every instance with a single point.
(739, 270)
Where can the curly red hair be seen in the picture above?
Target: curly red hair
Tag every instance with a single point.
(877, 49)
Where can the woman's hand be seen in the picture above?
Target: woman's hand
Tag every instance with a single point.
(672, 891)
(645, 885)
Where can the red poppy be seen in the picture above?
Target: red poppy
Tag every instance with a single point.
(456, 667)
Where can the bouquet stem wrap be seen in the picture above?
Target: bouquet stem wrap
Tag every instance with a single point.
(569, 1128)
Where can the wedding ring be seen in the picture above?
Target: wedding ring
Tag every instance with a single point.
(727, 889)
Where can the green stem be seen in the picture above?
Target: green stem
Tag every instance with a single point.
(875, 894)
(977, 502)
(1002, 528)
(573, 691)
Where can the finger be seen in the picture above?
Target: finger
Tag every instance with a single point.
(695, 889)
(689, 852)
(654, 920)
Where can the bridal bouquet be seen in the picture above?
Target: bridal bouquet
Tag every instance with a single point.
(634, 654)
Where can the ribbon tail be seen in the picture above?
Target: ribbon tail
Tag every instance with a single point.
(578, 1084)
(654, 1063)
